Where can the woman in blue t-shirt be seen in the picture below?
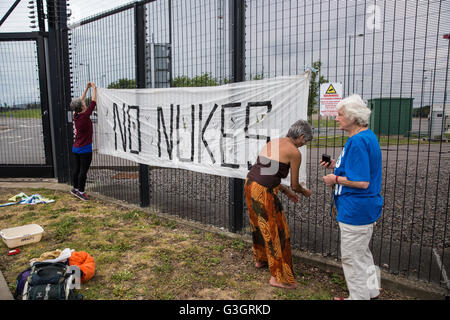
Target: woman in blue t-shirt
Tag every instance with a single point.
(357, 195)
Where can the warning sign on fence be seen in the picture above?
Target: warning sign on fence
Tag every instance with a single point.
(330, 96)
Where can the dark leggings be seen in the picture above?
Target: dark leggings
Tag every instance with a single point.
(82, 164)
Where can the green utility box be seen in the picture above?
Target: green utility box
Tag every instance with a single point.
(391, 116)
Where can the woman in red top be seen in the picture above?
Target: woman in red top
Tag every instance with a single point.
(82, 145)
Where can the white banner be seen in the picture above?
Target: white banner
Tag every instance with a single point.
(216, 130)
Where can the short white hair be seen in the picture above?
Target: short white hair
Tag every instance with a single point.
(355, 109)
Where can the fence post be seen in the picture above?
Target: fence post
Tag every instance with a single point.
(42, 68)
(237, 42)
(170, 43)
(57, 60)
(46, 129)
(140, 38)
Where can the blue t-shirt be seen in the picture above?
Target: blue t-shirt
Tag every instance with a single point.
(360, 160)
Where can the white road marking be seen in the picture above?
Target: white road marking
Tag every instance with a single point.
(20, 141)
(439, 262)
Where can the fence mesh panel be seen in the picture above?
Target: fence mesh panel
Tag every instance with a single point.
(392, 53)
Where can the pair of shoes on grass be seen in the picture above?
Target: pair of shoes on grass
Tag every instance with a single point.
(81, 195)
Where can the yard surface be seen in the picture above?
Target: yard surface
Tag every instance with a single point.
(140, 256)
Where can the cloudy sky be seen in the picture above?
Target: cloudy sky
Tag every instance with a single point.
(18, 21)
(18, 68)
(405, 56)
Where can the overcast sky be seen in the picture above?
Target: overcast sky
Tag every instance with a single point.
(20, 57)
(282, 37)
(18, 21)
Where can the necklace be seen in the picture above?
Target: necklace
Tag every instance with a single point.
(359, 130)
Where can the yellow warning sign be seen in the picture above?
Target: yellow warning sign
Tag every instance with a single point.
(331, 90)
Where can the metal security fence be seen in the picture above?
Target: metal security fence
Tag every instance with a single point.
(21, 104)
(395, 54)
(197, 32)
(385, 51)
(102, 50)
(25, 142)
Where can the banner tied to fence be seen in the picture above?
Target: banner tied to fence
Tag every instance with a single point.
(215, 130)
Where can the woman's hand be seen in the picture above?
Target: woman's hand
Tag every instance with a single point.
(292, 196)
(306, 192)
(329, 179)
(94, 91)
(328, 165)
(289, 193)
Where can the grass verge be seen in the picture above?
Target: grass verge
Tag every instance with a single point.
(141, 256)
(25, 113)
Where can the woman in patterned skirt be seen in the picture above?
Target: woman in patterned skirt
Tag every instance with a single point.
(270, 231)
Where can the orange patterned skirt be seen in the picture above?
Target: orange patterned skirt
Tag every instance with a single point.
(270, 231)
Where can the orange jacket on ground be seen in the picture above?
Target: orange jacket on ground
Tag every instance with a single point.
(85, 262)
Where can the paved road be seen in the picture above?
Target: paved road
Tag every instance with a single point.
(416, 126)
(393, 152)
(21, 141)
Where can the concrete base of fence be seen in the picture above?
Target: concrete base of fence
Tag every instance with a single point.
(413, 288)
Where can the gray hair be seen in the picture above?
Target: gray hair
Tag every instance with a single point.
(355, 109)
(76, 105)
(300, 128)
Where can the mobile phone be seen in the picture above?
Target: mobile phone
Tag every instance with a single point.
(326, 158)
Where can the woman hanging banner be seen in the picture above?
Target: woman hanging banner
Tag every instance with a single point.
(215, 130)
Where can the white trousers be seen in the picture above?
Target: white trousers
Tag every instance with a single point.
(361, 275)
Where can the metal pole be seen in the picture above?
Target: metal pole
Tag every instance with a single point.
(349, 56)
(431, 86)
(237, 11)
(10, 10)
(59, 88)
(44, 100)
(40, 15)
(139, 19)
(170, 43)
(152, 63)
(348, 66)
(88, 69)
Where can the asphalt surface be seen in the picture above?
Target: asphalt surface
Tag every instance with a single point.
(21, 141)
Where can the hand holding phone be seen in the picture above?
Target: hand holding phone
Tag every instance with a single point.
(326, 158)
(327, 162)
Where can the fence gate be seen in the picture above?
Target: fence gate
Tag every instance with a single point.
(25, 139)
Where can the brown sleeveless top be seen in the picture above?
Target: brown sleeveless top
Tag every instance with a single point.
(273, 172)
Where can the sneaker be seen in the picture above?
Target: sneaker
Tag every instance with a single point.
(82, 195)
(74, 191)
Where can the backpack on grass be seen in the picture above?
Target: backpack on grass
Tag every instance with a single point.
(47, 281)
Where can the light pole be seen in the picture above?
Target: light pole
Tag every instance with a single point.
(88, 68)
(431, 82)
(446, 36)
(350, 36)
(357, 86)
